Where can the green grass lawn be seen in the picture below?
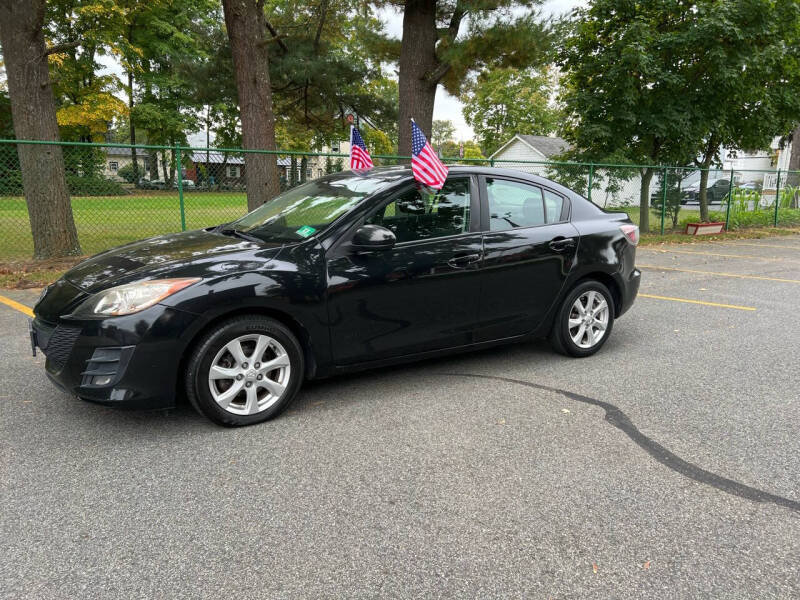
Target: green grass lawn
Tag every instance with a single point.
(787, 217)
(107, 221)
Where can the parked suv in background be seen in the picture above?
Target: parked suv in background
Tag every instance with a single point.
(716, 191)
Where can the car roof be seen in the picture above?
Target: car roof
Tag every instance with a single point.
(400, 171)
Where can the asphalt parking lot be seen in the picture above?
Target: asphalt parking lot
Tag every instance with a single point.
(664, 467)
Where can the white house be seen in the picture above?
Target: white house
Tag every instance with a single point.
(751, 165)
(530, 148)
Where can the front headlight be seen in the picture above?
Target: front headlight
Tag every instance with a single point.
(132, 297)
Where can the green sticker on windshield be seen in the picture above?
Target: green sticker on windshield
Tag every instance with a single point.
(305, 231)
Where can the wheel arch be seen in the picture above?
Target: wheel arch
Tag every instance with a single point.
(607, 280)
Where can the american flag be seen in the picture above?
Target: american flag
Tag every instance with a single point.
(425, 165)
(359, 157)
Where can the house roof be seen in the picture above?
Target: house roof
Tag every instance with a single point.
(544, 144)
(114, 151)
(216, 158)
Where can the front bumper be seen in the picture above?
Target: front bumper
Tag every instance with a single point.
(127, 362)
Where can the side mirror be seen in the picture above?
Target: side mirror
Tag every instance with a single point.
(373, 237)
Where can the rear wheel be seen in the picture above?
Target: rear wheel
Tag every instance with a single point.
(584, 321)
(244, 371)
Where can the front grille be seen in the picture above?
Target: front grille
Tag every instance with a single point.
(59, 346)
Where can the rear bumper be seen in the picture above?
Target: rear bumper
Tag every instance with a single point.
(630, 289)
(126, 362)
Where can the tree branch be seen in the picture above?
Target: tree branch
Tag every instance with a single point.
(59, 48)
(449, 37)
(322, 16)
(436, 75)
(275, 35)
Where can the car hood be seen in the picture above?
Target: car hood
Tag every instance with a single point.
(199, 253)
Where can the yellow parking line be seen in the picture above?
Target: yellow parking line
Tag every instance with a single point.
(16, 306)
(737, 275)
(686, 300)
(719, 254)
(783, 247)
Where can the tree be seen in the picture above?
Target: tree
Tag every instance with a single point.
(442, 131)
(434, 50)
(472, 150)
(34, 114)
(84, 30)
(504, 102)
(623, 90)
(793, 176)
(669, 82)
(744, 61)
(247, 32)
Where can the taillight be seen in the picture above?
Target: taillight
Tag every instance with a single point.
(631, 232)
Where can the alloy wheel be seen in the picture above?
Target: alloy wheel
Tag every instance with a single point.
(249, 374)
(588, 319)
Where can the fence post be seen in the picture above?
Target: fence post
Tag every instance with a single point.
(179, 169)
(730, 199)
(591, 173)
(777, 197)
(664, 202)
(491, 162)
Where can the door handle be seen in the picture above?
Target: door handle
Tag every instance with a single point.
(463, 260)
(560, 244)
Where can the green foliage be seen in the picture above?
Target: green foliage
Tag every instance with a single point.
(80, 185)
(10, 183)
(442, 131)
(673, 204)
(6, 126)
(622, 92)
(126, 172)
(666, 82)
(504, 102)
(789, 197)
(472, 150)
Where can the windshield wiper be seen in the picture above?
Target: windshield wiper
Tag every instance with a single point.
(240, 234)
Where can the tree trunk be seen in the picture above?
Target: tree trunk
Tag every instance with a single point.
(793, 176)
(134, 158)
(33, 111)
(703, 194)
(417, 89)
(293, 171)
(172, 167)
(705, 165)
(247, 31)
(303, 169)
(153, 165)
(644, 200)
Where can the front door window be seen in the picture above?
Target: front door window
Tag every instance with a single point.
(421, 214)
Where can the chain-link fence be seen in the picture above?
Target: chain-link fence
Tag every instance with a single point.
(121, 193)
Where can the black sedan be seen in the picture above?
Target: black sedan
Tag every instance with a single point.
(350, 271)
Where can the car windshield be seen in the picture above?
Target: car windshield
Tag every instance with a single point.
(310, 208)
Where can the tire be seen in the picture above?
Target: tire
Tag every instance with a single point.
(238, 393)
(561, 336)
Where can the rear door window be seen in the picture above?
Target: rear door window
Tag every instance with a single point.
(513, 204)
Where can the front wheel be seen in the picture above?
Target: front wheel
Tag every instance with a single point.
(584, 321)
(245, 370)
